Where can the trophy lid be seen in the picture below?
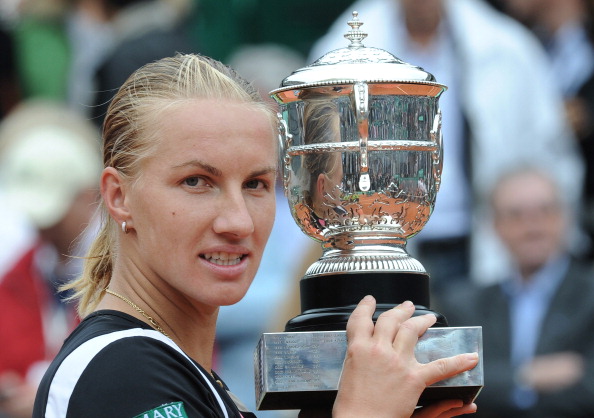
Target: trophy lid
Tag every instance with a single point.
(356, 63)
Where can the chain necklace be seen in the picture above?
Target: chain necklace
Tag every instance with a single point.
(149, 318)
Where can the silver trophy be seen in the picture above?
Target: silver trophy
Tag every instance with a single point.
(361, 149)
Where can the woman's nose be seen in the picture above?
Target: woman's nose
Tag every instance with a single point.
(233, 216)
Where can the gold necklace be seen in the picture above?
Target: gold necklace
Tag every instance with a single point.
(154, 323)
(149, 318)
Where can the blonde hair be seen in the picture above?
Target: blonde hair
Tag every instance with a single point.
(128, 139)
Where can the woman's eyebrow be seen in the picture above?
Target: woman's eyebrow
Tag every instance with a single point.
(218, 173)
(204, 166)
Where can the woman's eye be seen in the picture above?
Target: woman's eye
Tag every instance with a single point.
(255, 184)
(192, 181)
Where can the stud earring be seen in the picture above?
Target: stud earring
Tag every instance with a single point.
(124, 227)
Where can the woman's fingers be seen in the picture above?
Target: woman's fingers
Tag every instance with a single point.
(389, 322)
(444, 368)
(396, 327)
(408, 336)
(381, 376)
(445, 409)
(410, 331)
(466, 409)
(360, 323)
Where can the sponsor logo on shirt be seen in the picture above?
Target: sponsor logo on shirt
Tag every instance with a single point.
(170, 410)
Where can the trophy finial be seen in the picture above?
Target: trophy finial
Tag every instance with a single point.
(355, 35)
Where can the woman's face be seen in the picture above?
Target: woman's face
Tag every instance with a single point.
(204, 204)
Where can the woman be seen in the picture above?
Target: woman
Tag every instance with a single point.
(188, 192)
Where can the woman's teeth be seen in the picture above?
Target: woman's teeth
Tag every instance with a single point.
(223, 259)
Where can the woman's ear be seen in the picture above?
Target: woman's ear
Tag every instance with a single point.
(321, 186)
(113, 192)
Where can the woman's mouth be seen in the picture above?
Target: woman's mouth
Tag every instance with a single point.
(223, 259)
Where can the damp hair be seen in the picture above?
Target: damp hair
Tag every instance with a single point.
(129, 138)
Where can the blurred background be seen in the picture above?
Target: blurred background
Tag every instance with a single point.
(521, 93)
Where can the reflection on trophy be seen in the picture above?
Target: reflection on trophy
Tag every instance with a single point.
(361, 151)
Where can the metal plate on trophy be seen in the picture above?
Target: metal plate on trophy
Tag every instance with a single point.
(294, 369)
(361, 157)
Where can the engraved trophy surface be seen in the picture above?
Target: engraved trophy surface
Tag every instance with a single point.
(361, 150)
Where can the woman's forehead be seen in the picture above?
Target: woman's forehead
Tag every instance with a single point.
(209, 113)
(205, 127)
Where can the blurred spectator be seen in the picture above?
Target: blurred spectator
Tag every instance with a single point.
(537, 339)
(42, 49)
(58, 46)
(143, 31)
(565, 28)
(220, 26)
(81, 51)
(265, 65)
(240, 326)
(561, 26)
(502, 106)
(91, 38)
(49, 168)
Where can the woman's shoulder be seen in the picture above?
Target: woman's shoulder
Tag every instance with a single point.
(117, 362)
(108, 333)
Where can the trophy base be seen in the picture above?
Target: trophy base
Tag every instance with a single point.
(335, 319)
(327, 301)
(301, 370)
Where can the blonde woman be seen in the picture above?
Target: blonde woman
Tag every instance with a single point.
(188, 194)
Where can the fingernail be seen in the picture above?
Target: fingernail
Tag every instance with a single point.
(472, 356)
(407, 304)
(367, 298)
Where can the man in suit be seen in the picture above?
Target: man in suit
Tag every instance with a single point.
(537, 323)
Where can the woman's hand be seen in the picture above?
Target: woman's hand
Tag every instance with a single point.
(381, 376)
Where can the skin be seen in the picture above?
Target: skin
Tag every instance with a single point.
(423, 18)
(529, 220)
(195, 197)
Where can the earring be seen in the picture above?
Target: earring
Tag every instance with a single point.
(124, 227)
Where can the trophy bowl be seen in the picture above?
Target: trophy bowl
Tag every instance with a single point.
(361, 150)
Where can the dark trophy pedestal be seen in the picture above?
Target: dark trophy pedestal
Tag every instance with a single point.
(327, 301)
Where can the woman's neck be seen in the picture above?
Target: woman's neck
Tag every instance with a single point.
(192, 329)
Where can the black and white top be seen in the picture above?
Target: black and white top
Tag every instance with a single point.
(114, 365)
